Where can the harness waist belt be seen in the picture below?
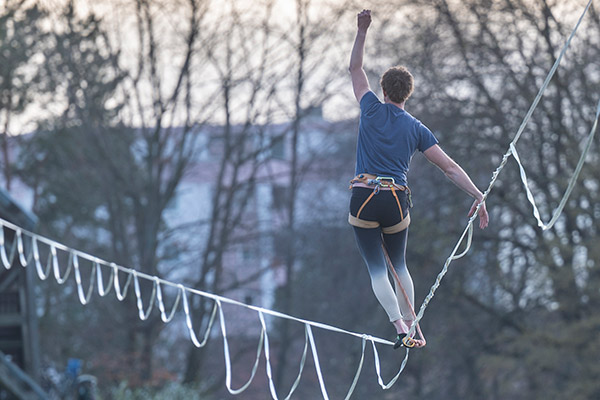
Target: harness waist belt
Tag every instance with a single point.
(373, 181)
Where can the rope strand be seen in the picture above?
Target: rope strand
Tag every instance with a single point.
(97, 280)
(18, 248)
(468, 231)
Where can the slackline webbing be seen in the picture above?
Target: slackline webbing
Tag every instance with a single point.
(52, 265)
(468, 231)
(25, 248)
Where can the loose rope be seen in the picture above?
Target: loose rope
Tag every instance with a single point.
(468, 231)
(572, 181)
(17, 252)
(103, 289)
(399, 285)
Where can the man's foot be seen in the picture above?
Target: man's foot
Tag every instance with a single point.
(401, 326)
(405, 325)
(399, 341)
(403, 341)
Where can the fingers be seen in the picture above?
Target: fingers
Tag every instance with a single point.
(484, 218)
(364, 20)
(483, 221)
(472, 210)
(365, 15)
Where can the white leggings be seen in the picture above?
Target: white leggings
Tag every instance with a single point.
(369, 244)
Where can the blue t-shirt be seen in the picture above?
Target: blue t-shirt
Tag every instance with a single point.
(388, 137)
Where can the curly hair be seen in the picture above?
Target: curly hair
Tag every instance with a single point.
(398, 83)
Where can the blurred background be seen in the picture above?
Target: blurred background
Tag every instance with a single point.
(211, 143)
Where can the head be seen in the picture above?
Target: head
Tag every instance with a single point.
(397, 84)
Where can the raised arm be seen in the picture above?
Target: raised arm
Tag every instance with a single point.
(360, 83)
(456, 174)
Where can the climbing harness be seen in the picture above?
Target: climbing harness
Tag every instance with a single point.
(29, 249)
(378, 183)
(468, 231)
(26, 248)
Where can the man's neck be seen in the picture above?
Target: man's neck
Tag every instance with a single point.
(399, 105)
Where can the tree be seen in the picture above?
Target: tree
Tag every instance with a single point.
(509, 308)
(242, 51)
(313, 83)
(517, 317)
(20, 32)
(484, 63)
(129, 175)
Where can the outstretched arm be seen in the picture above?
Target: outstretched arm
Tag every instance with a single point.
(456, 174)
(360, 83)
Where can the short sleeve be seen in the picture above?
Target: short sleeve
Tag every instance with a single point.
(426, 138)
(369, 104)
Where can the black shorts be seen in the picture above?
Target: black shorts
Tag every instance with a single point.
(380, 211)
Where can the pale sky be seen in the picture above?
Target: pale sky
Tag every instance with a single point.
(119, 19)
(118, 15)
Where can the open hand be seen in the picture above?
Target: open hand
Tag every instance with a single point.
(484, 218)
(364, 20)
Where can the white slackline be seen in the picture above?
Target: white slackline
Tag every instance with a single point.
(103, 289)
(121, 289)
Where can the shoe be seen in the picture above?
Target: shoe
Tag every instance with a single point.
(403, 341)
(399, 342)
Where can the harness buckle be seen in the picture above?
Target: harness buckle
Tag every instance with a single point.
(379, 180)
(408, 342)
